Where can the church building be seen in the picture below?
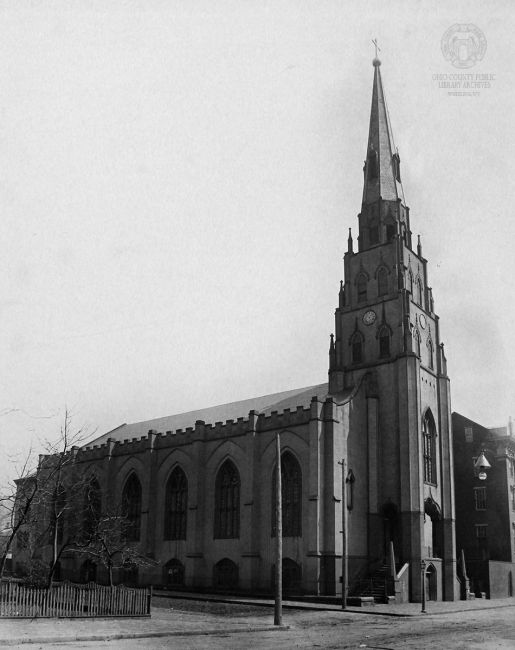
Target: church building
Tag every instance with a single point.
(199, 487)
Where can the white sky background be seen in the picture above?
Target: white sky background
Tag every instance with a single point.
(176, 184)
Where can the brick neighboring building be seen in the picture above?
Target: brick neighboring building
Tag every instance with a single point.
(198, 487)
(485, 509)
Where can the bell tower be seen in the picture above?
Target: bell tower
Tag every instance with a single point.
(387, 347)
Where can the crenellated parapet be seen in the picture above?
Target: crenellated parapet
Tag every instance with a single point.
(254, 423)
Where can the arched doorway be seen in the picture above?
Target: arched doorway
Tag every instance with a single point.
(174, 574)
(292, 577)
(431, 583)
(225, 575)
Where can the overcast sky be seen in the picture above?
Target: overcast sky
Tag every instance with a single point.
(177, 180)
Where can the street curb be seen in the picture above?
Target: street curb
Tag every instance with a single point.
(326, 607)
(138, 635)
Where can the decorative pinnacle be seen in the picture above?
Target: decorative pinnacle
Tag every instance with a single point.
(376, 62)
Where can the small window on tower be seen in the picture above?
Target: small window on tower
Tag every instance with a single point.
(382, 282)
(357, 348)
(384, 342)
(373, 235)
(372, 164)
(419, 292)
(390, 231)
(430, 354)
(416, 336)
(362, 288)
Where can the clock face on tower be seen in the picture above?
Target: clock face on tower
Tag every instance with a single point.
(369, 317)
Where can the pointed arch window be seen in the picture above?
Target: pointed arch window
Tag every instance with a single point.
(390, 231)
(131, 508)
(227, 502)
(176, 504)
(382, 282)
(384, 342)
(419, 292)
(430, 354)
(356, 344)
(410, 283)
(362, 288)
(291, 493)
(92, 507)
(373, 234)
(416, 336)
(428, 443)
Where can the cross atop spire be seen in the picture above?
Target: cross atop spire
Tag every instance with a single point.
(378, 49)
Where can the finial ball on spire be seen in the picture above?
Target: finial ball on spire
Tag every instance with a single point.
(376, 63)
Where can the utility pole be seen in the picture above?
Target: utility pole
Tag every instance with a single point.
(278, 610)
(345, 567)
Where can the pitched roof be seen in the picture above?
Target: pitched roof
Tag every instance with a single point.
(265, 404)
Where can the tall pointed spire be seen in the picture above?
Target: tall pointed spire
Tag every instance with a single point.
(384, 213)
(382, 167)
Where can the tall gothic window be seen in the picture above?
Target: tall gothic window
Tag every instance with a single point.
(357, 347)
(384, 342)
(176, 504)
(291, 496)
(373, 234)
(382, 282)
(390, 231)
(362, 288)
(131, 503)
(410, 283)
(428, 439)
(227, 502)
(92, 507)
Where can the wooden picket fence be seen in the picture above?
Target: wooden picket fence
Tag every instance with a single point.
(68, 600)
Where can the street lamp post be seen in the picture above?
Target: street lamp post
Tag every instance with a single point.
(423, 585)
(345, 561)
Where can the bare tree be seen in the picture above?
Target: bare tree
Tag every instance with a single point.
(108, 542)
(34, 501)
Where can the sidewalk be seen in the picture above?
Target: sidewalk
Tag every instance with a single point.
(163, 623)
(392, 609)
(171, 622)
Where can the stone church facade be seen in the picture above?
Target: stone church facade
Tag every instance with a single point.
(198, 487)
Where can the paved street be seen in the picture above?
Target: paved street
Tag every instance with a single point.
(467, 630)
